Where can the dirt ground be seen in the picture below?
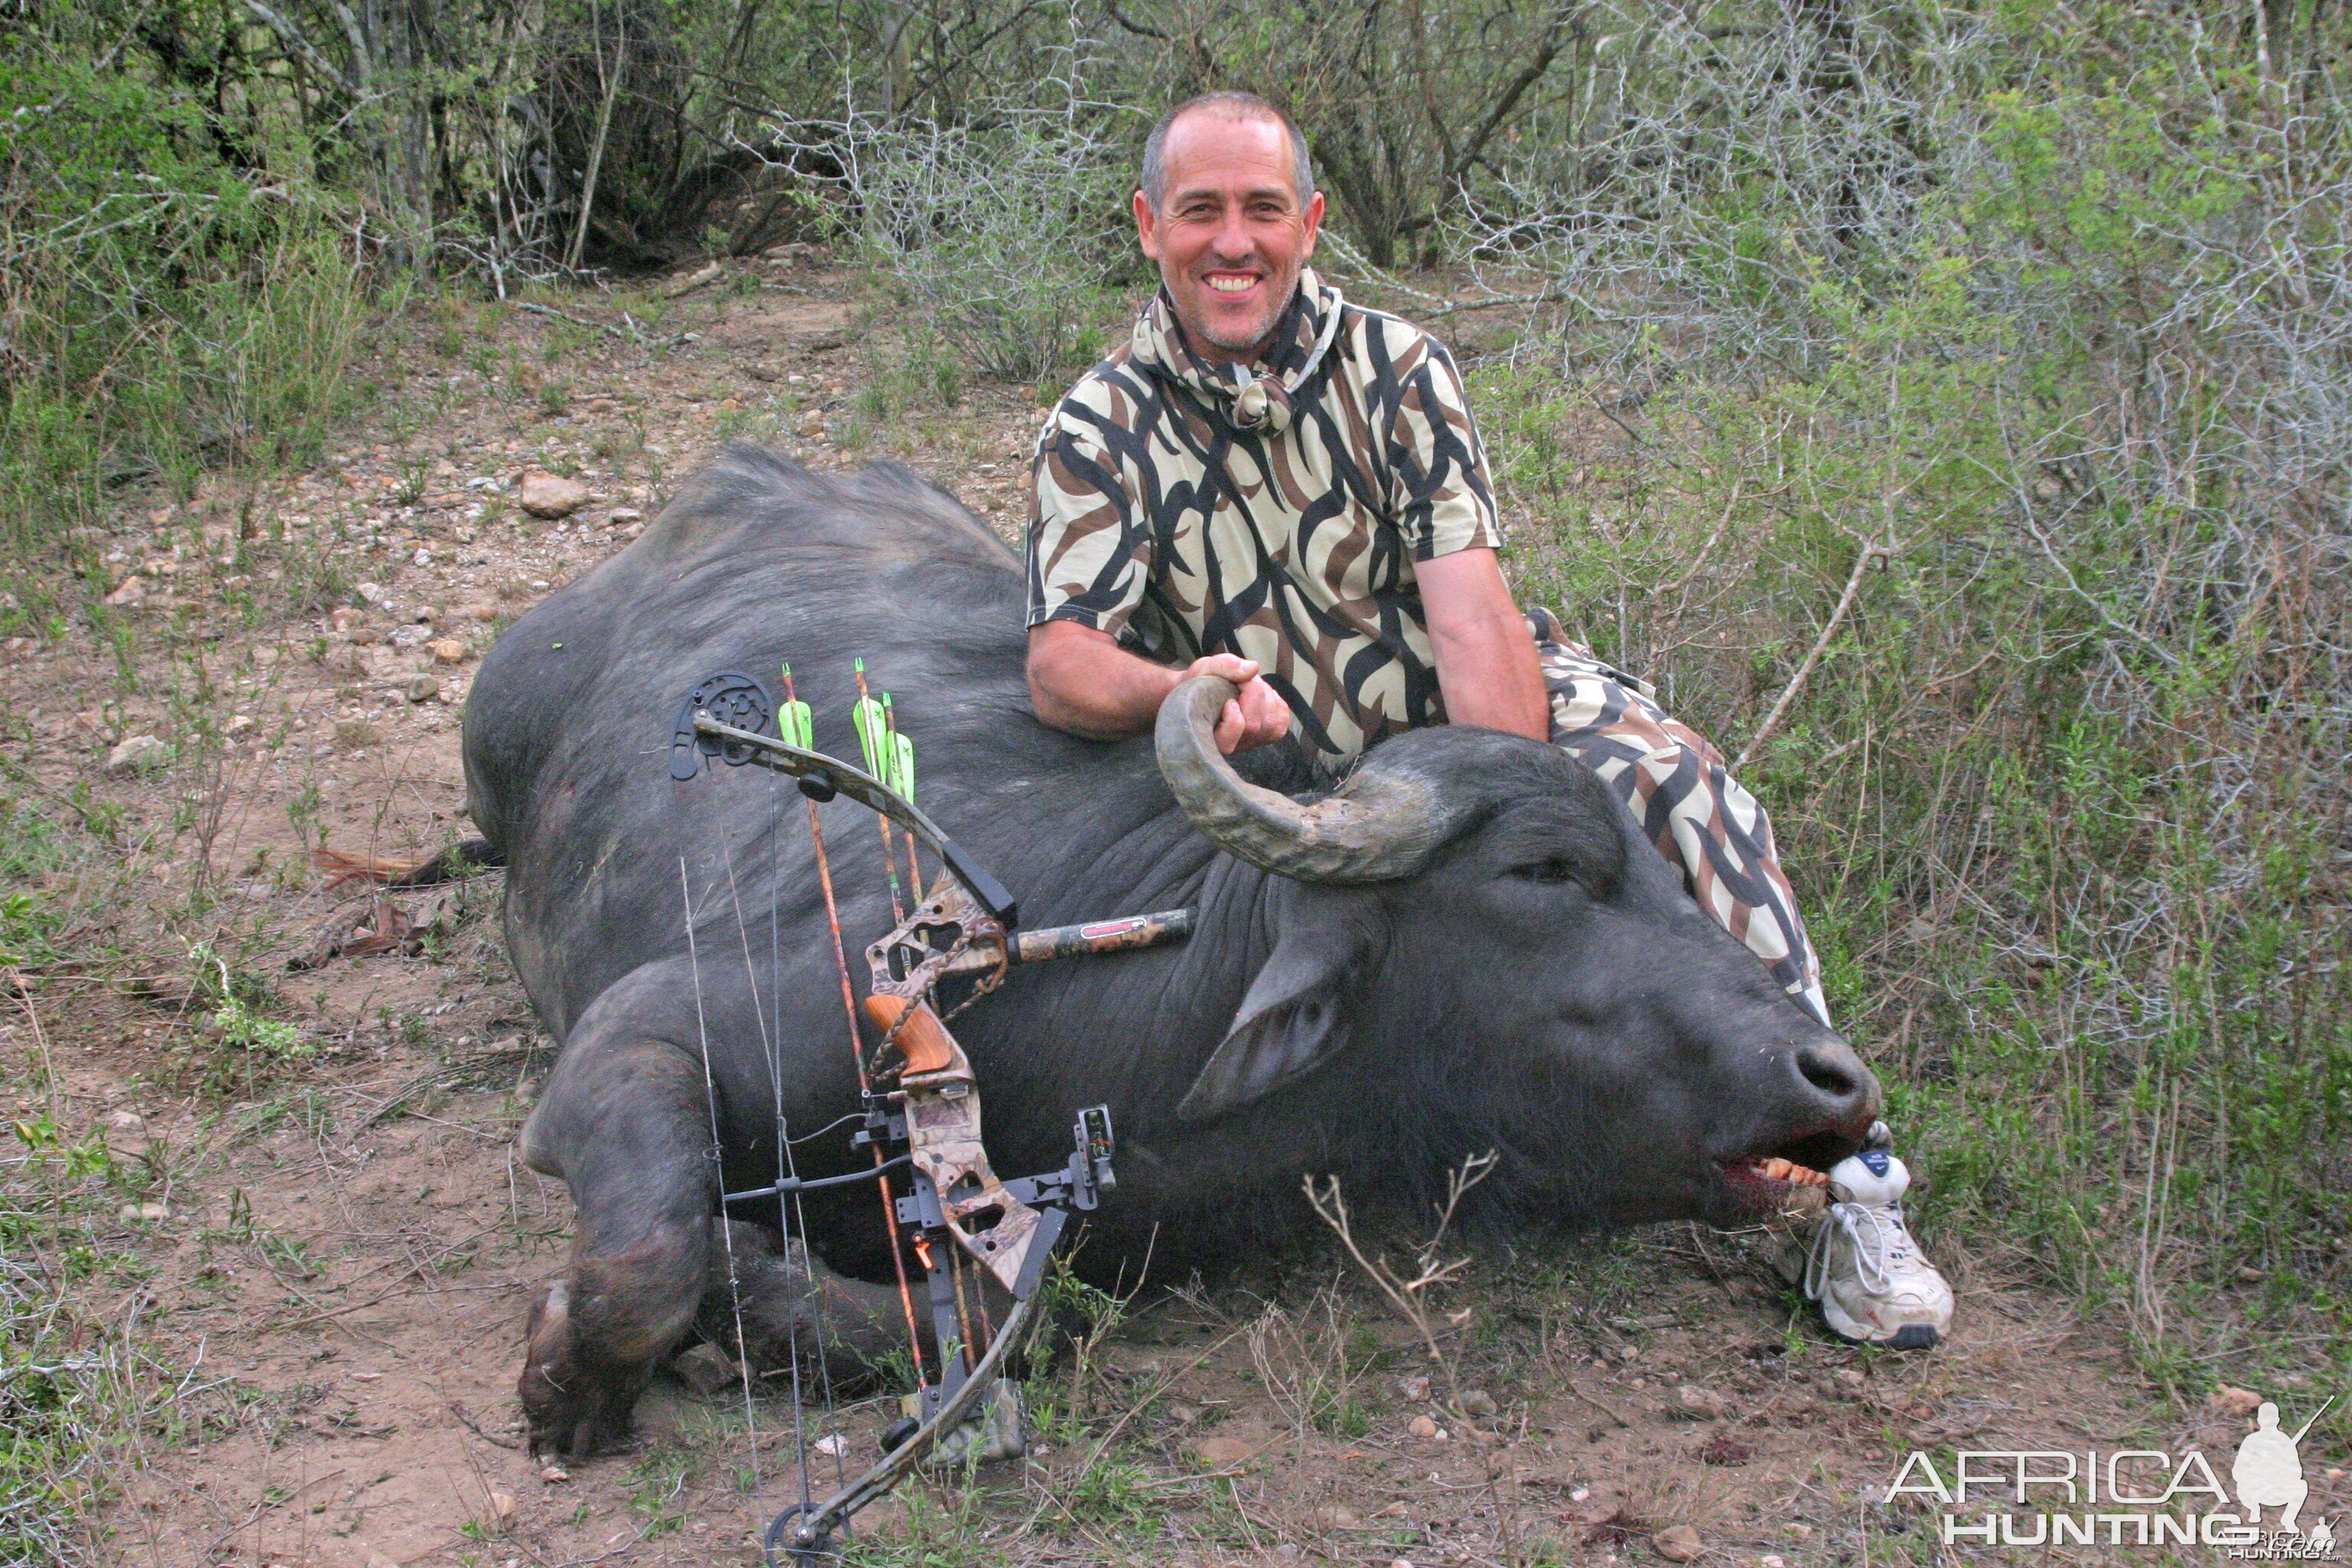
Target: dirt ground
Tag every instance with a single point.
(348, 1244)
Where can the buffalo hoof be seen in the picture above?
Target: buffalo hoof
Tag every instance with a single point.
(575, 1406)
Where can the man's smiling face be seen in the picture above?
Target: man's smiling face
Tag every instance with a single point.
(1230, 233)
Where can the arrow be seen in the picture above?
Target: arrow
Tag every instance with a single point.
(800, 721)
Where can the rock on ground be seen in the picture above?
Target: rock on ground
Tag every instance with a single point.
(1678, 1543)
(1222, 1453)
(550, 496)
(138, 755)
(1702, 1403)
(706, 1369)
(2241, 1403)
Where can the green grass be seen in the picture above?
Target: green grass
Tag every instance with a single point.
(2063, 797)
(79, 1399)
(72, 1391)
(206, 325)
(655, 1483)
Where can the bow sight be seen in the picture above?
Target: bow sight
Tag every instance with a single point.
(922, 1102)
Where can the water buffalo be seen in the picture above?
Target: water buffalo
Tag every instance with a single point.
(1475, 948)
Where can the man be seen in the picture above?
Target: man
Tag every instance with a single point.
(1274, 485)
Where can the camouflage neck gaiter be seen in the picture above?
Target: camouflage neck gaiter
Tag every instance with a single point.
(1256, 397)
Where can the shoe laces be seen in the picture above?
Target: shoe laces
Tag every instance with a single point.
(1888, 1243)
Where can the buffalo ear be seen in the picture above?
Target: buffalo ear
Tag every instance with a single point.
(1295, 1018)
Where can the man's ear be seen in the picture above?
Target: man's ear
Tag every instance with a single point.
(1295, 1015)
(1147, 226)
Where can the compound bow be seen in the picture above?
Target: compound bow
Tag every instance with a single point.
(917, 1089)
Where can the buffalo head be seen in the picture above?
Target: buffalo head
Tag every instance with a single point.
(1474, 917)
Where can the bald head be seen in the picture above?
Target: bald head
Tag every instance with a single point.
(1231, 106)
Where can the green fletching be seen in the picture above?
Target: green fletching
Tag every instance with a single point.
(902, 776)
(795, 726)
(873, 735)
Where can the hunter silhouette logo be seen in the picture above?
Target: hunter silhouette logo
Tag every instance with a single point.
(2268, 1471)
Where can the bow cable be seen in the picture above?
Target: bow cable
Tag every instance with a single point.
(786, 1167)
(792, 720)
(772, 1047)
(710, 1099)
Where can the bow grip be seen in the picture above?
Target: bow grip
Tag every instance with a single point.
(924, 1041)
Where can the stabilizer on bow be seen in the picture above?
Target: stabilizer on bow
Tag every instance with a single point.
(922, 1103)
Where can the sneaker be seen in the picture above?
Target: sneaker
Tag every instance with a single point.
(1862, 1264)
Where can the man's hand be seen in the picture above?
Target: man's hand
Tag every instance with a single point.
(1082, 681)
(1257, 715)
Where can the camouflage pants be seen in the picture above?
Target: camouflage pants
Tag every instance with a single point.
(1675, 785)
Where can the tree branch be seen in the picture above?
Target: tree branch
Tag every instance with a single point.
(291, 37)
(363, 49)
(1140, 30)
(1532, 73)
(1870, 552)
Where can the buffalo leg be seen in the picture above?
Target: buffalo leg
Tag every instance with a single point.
(787, 1302)
(625, 1124)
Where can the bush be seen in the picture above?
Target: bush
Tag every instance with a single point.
(2037, 365)
(1005, 235)
(162, 312)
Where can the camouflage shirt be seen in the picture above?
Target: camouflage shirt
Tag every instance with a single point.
(1276, 511)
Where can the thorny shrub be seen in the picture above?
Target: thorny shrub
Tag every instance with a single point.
(1947, 409)
(162, 311)
(1004, 230)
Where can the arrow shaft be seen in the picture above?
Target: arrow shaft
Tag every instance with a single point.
(858, 1060)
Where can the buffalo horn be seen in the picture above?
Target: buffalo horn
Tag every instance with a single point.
(1380, 825)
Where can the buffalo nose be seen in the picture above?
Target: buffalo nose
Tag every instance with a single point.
(1845, 1090)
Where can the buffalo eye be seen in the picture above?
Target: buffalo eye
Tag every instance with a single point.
(1549, 873)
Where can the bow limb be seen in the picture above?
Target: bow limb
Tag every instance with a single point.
(848, 778)
(810, 1530)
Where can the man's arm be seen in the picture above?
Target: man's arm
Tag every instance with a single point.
(1082, 681)
(1486, 659)
(1088, 557)
(1444, 504)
